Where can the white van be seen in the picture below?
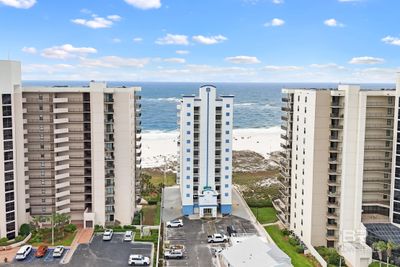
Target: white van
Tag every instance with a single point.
(23, 252)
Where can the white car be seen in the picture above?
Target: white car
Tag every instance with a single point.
(58, 251)
(23, 252)
(173, 254)
(135, 259)
(175, 223)
(108, 234)
(217, 238)
(128, 236)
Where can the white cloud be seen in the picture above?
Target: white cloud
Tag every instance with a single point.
(333, 23)
(243, 60)
(44, 68)
(67, 51)
(97, 22)
(182, 52)
(25, 4)
(391, 40)
(173, 39)
(332, 66)
(209, 40)
(114, 62)
(116, 40)
(275, 23)
(137, 39)
(277, 2)
(366, 60)
(282, 68)
(144, 4)
(29, 50)
(175, 60)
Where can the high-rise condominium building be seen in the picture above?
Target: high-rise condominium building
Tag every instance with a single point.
(71, 150)
(336, 166)
(205, 173)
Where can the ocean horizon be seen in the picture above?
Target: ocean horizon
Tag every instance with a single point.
(257, 105)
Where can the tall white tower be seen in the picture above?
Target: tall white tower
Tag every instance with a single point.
(206, 124)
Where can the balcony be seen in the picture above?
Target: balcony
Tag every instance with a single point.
(61, 140)
(62, 120)
(60, 110)
(63, 211)
(62, 185)
(63, 194)
(378, 148)
(378, 126)
(379, 104)
(333, 193)
(286, 146)
(337, 104)
(379, 115)
(379, 137)
(336, 127)
(63, 202)
(62, 158)
(61, 149)
(60, 100)
(335, 204)
(61, 131)
(336, 116)
(332, 226)
(61, 167)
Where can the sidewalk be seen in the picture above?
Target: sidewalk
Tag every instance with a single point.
(82, 237)
(9, 254)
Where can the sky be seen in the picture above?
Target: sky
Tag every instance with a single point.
(354, 41)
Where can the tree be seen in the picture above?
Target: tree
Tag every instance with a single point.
(379, 246)
(390, 246)
(36, 220)
(25, 229)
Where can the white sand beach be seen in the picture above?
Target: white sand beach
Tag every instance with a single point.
(159, 146)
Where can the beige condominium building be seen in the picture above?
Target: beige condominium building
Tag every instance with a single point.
(336, 166)
(77, 150)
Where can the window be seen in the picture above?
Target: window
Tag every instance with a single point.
(43, 191)
(188, 168)
(40, 107)
(7, 123)
(187, 195)
(188, 114)
(42, 181)
(226, 132)
(226, 159)
(188, 105)
(43, 200)
(227, 194)
(226, 168)
(8, 166)
(43, 209)
(228, 114)
(188, 123)
(42, 164)
(228, 105)
(7, 111)
(8, 155)
(187, 132)
(226, 176)
(41, 117)
(6, 99)
(41, 172)
(188, 186)
(41, 146)
(9, 176)
(188, 177)
(187, 141)
(227, 141)
(188, 150)
(8, 145)
(227, 123)
(226, 185)
(40, 97)
(226, 149)
(187, 159)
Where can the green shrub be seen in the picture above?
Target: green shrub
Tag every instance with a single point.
(285, 232)
(3, 241)
(19, 238)
(98, 228)
(129, 227)
(152, 202)
(70, 228)
(293, 241)
(25, 229)
(258, 203)
(299, 249)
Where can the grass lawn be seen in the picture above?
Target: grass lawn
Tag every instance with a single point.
(250, 178)
(298, 260)
(376, 264)
(66, 241)
(157, 177)
(265, 215)
(151, 214)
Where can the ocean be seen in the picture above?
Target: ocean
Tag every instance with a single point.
(257, 105)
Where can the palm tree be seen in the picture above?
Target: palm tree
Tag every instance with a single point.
(390, 246)
(36, 220)
(379, 246)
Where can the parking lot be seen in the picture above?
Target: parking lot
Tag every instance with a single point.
(193, 235)
(47, 260)
(116, 252)
(98, 253)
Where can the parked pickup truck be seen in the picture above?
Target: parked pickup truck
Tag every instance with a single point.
(217, 238)
(173, 254)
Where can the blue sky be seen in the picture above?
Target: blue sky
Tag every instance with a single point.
(203, 40)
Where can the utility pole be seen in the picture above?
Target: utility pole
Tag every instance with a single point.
(52, 229)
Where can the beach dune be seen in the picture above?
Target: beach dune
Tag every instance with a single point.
(158, 147)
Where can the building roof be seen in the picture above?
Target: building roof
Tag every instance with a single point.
(383, 231)
(255, 252)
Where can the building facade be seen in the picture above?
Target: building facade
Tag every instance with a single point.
(337, 165)
(205, 153)
(77, 150)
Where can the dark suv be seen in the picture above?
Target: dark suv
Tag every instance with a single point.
(231, 230)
